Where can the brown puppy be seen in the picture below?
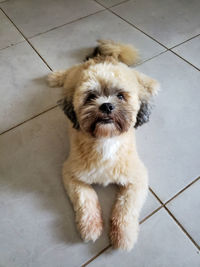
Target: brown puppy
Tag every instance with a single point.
(105, 100)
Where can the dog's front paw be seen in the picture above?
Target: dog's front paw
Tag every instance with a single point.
(123, 235)
(90, 224)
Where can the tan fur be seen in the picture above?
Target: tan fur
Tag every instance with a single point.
(122, 52)
(101, 152)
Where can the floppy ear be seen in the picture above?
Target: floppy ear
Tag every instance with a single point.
(148, 88)
(69, 83)
(68, 109)
(143, 114)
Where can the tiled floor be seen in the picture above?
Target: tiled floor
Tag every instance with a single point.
(36, 218)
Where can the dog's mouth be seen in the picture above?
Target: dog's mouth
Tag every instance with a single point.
(101, 121)
(105, 121)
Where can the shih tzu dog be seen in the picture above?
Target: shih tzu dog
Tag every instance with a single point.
(105, 102)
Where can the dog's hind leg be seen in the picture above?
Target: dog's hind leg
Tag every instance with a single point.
(87, 208)
(125, 215)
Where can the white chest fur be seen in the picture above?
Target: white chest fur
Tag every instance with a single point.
(106, 167)
(108, 147)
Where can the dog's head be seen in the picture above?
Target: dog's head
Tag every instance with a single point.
(108, 99)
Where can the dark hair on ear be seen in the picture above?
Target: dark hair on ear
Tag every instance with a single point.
(96, 52)
(68, 109)
(143, 114)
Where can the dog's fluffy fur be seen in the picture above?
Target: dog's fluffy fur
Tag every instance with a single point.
(103, 148)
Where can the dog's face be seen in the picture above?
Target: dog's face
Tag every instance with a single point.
(106, 111)
(106, 100)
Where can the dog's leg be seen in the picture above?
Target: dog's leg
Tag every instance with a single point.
(87, 208)
(125, 215)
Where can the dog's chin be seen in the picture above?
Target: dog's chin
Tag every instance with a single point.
(101, 125)
(104, 128)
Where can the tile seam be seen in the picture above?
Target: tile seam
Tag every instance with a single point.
(26, 39)
(176, 220)
(182, 228)
(152, 38)
(25, 121)
(15, 126)
(182, 190)
(111, 5)
(167, 49)
(184, 60)
(109, 246)
(67, 23)
(96, 256)
(137, 28)
(185, 41)
(11, 45)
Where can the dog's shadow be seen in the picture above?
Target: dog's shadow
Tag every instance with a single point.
(76, 55)
(30, 176)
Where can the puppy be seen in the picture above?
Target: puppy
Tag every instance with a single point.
(105, 101)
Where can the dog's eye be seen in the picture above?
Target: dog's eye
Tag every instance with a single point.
(120, 96)
(90, 97)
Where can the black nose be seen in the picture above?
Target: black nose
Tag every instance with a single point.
(106, 108)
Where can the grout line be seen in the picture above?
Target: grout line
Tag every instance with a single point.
(60, 26)
(156, 196)
(184, 59)
(178, 223)
(102, 4)
(35, 116)
(111, 5)
(168, 49)
(97, 255)
(11, 45)
(152, 213)
(140, 63)
(26, 39)
(109, 246)
(182, 190)
(45, 62)
(185, 41)
(182, 228)
(138, 29)
(108, 8)
(146, 60)
(120, 3)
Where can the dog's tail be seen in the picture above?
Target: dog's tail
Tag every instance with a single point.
(125, 53)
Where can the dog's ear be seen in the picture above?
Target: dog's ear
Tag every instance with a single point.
(68, 108)
(148, 88)
(70, 84)
(143, 114)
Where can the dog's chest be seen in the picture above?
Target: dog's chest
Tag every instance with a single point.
(108, 149)
(107, 166)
